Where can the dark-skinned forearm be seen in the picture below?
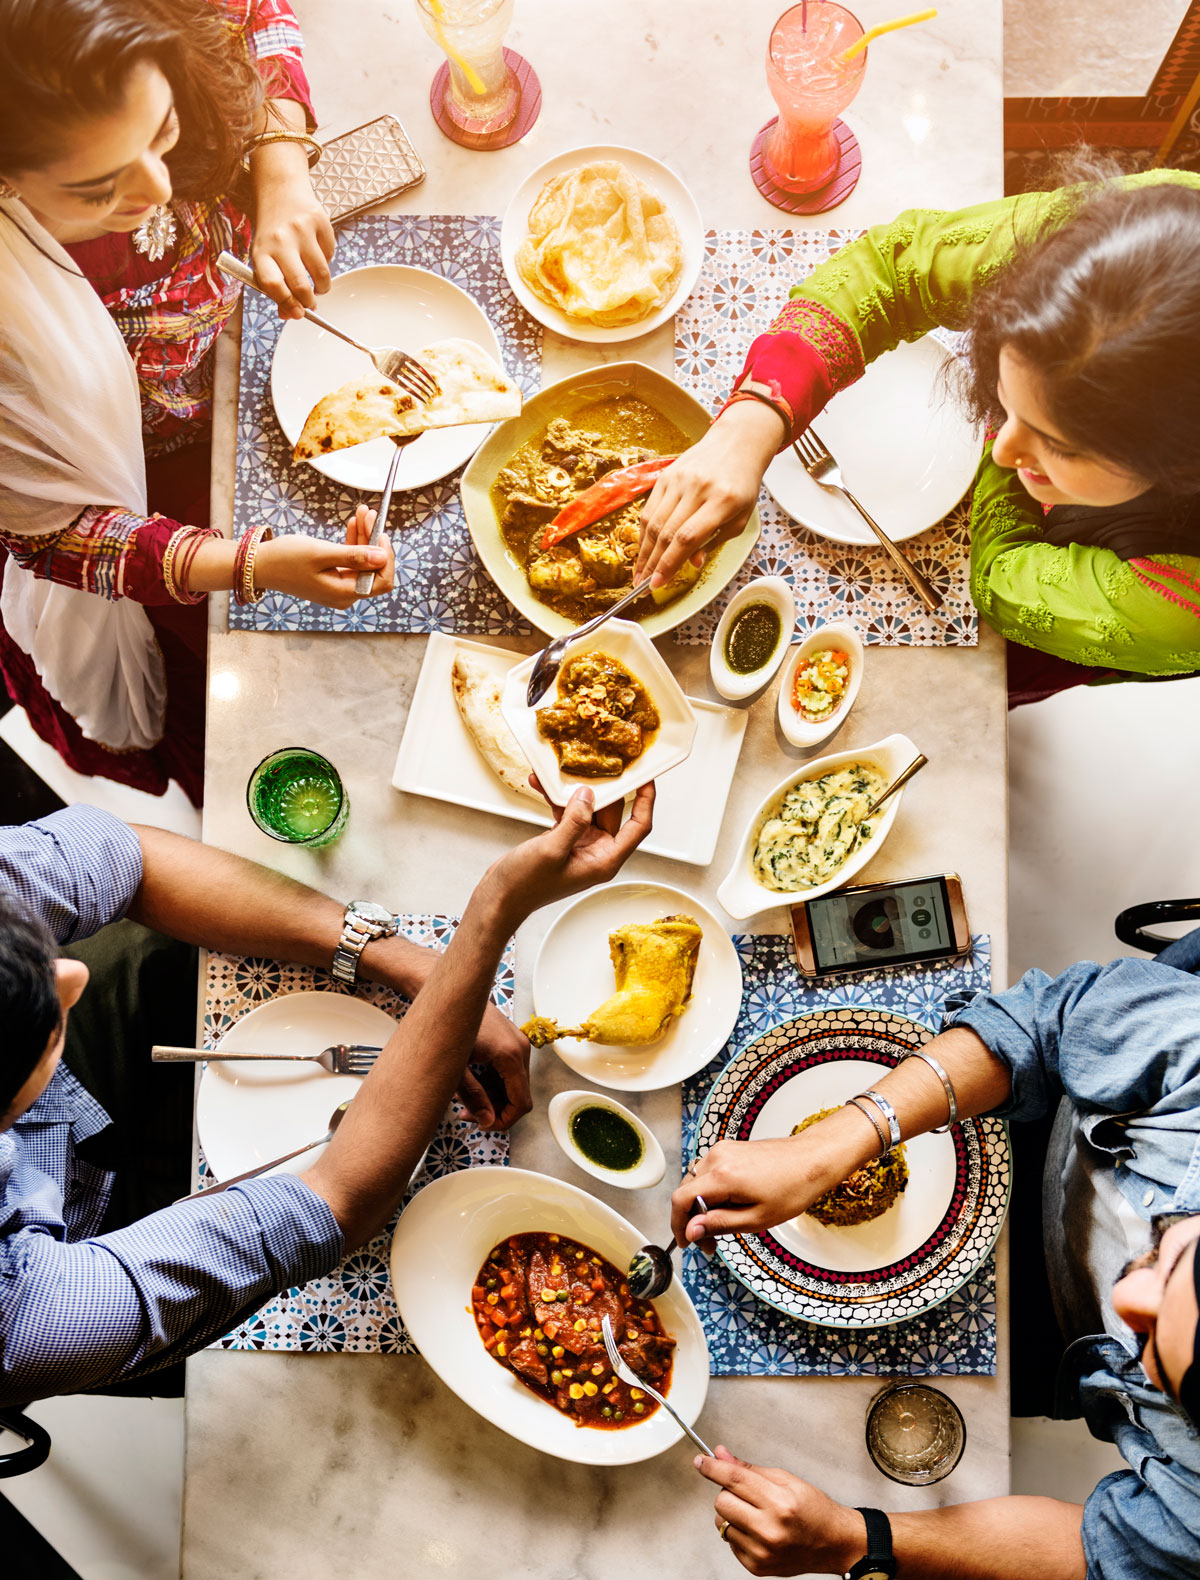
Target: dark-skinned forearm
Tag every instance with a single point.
(366, 1168)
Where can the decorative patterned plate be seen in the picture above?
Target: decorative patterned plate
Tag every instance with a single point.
(913, 1256)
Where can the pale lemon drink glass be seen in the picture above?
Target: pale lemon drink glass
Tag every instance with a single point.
(483, 93)
(811, 86)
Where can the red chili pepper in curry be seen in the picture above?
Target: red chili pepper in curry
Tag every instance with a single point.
(539, 1300)
(610, 493)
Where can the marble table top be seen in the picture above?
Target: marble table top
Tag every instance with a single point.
(307, 1465)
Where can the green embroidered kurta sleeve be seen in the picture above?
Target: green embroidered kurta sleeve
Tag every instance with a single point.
(1080, 603)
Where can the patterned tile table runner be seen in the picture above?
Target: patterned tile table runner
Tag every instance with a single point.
(747, 1337)
(744, 281)
(353, 1307)
(440, 583)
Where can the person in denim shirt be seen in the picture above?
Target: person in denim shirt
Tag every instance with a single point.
(1115, 1050)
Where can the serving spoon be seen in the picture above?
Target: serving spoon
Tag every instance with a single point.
(651, 1269)
(898, 783)
(549, 661)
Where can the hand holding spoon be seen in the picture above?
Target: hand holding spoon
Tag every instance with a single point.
(651, 1269)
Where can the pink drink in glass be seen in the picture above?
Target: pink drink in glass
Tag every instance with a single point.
(812, 87)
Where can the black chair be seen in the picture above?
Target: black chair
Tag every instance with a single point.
(27, 1553)
(1131, 927)
(37, 1445)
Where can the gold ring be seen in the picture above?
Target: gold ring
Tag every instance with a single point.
(724, 1531)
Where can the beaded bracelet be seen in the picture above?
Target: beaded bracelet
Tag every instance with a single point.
(889, 1114)
(263, 138)
(856, 1102)
(947, 1087)
(244, 590)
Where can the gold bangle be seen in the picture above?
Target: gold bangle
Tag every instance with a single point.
(261, 139)
(168, 563)
(248, 592)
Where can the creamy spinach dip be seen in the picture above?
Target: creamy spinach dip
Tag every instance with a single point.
(809, 835)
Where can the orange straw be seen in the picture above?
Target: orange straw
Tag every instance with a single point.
(873, 33)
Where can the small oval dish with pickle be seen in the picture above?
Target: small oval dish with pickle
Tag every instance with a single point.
(614, 718)
(603, 1138)
(820, 684)
(752, 637)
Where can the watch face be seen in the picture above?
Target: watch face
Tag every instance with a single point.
(371, 913)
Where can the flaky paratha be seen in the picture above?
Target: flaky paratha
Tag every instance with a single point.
(477, 691)
(471, 388)
(602, 246)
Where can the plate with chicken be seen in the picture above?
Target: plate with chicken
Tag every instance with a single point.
(636, 986)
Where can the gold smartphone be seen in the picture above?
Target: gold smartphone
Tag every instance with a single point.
(365, 167)
(871, 925)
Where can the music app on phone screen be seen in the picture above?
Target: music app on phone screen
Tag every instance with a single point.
(907, 920)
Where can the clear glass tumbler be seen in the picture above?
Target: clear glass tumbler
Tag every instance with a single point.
(297, 796)
(483, 94)
(915, 1434)
(811, 86)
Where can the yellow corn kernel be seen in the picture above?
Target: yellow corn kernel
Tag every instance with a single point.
(636, 1393)
(493, 1300)
(548, 1296)
(597, 1369)
(631, 1333)
(579, 1256)
(525, 1332)
(558, 1352)
(579, 1324)
(591, 1390)
(556, 1268)
(553, 1239)
(502, 1349)
(576, 1391)
(568, 1371)
(538, 1334)
(609, 1386)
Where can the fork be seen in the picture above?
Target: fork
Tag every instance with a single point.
(396, 365)
(362, 582)
(820, 465)
(354, 1058)
(628, 1375)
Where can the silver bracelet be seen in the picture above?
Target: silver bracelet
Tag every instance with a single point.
(947, 1085)
(854, 1102)
(889, 1113)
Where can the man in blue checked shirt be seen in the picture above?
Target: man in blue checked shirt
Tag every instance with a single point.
(1114, 1052)
(94, 1294)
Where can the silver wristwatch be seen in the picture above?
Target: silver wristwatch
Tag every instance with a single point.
(364, 922)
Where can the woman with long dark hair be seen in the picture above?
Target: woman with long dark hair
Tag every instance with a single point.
(1083, 307)
(137, 139)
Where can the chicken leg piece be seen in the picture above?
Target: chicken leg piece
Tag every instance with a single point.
(654, 965)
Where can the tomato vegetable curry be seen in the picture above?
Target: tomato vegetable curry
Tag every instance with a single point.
(539, 1300)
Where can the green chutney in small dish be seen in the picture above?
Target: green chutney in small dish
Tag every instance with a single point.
(753, 638)
(606, 1139)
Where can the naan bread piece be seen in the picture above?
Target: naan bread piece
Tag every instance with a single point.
(477, 692)
(602, 247)
(471, 388)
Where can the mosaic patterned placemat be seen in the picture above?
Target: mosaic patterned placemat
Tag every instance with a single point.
(353, 1307)
(744, 282)
(440, 583)
(746, 1337)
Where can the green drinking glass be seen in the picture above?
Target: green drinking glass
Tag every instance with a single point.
(297, 796)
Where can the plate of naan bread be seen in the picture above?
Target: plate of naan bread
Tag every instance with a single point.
(636, 985)
(602, 243)
(458, 749)
(341, 416)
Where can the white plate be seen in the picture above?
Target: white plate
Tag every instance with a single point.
(743, 895)
(440, 1243)
(248, 1112)
(382, 305)
(437, 758)
(906, 448)
(672, 742)
(662, 181)
(573, 975)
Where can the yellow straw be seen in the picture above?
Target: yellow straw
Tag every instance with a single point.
(884, 27)
(468, 71)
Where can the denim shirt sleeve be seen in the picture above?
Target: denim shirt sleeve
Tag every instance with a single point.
(97, 1311)
(1133, 1527)
(76, 870)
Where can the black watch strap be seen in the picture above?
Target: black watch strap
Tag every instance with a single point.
(880, 1562)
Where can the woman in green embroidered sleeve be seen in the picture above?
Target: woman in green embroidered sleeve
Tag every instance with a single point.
(1083, 308)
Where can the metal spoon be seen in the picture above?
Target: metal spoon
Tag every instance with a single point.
(549, 661)
(651, 1269)
(914, 767)
(335, 1120)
